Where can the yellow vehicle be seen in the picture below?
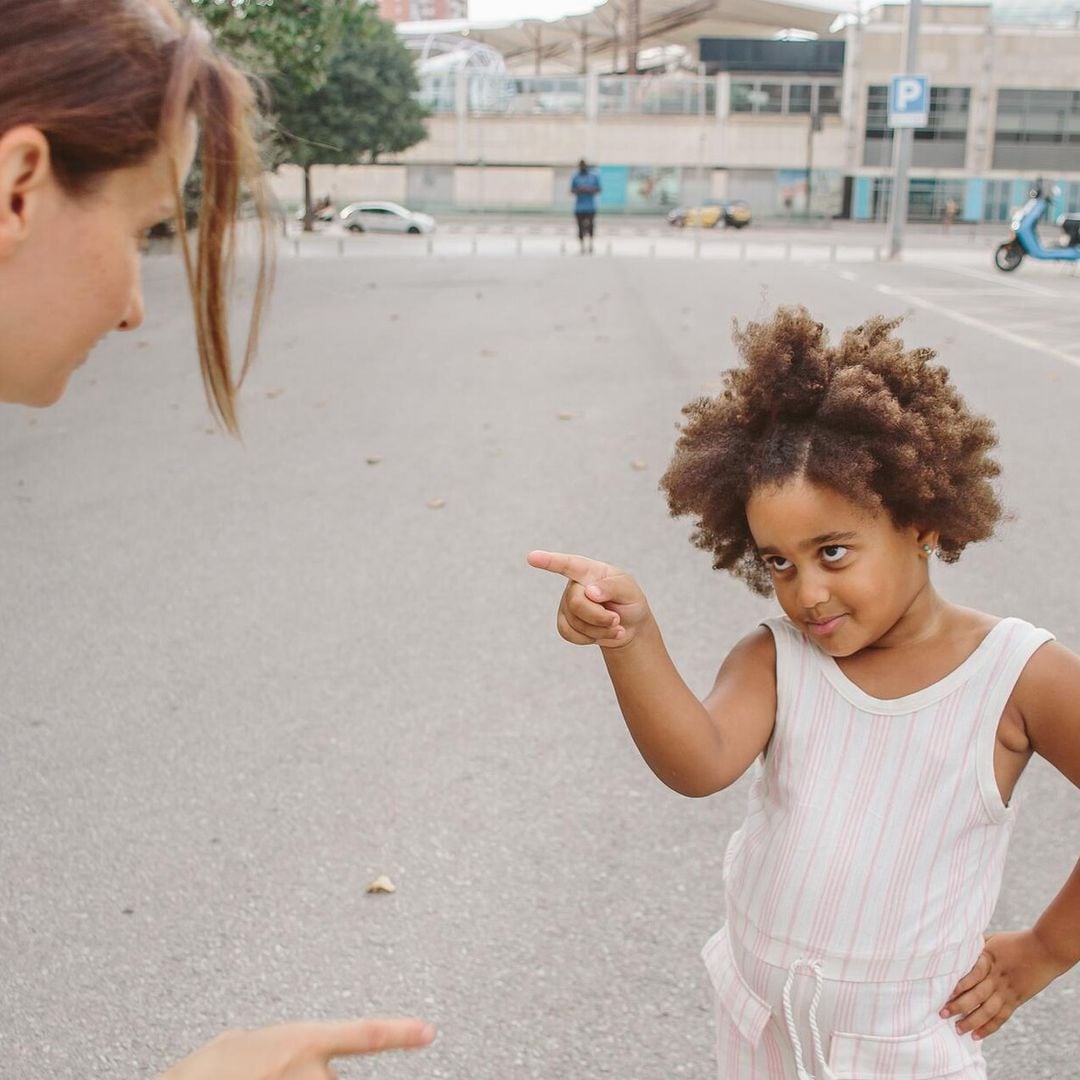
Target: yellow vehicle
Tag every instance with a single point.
(735, 214)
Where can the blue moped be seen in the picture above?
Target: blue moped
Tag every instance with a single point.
(1025, 240)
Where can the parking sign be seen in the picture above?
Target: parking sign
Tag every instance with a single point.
(909, 101)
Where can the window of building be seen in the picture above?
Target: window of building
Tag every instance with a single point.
(828, 98)
(942, 143)
(997, 200)
(742, 97)
(771, 97)
(800, 96)
(947, 119)
(1037, 129)
(927, 198)
(790, 96)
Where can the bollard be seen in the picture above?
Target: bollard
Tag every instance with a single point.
(697, 243)
(341, 245)
(742, 252)
(562, 247)
(430, 246)
(474, 247)
(296, 246)
(607, 250)
(787, 251)
(832, 253)
(652, 250)
(518, 245)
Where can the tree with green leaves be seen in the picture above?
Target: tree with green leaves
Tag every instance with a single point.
(364, 109)
(290, 39)
(341, 82)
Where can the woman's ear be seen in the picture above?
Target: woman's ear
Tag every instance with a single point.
(25, 171)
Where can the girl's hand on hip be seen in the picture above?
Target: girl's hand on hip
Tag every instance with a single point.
(601, 605)
(298, 1051)
(1011, 969)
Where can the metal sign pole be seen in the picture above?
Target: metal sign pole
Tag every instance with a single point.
(903, 140)
(815, 126)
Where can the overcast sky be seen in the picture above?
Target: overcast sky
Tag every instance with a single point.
(553, 9)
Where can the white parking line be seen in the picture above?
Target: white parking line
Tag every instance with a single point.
(847, 275)
(958, 290)
(1041, 324)
(1003, 282)
(978, 324)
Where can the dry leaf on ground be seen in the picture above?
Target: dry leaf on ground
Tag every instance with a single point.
(382, 884)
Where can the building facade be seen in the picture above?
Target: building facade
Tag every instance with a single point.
(398, 11)
(794, 127)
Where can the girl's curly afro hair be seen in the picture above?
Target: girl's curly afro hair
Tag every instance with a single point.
(877, 423)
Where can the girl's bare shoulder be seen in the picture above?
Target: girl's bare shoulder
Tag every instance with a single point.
(970, 624)
(751, 661)
(1047, 697)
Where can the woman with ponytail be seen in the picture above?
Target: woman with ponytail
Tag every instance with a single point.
(103, 104)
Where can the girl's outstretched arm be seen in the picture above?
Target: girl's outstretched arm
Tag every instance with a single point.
(695, 747)
(1014, 967)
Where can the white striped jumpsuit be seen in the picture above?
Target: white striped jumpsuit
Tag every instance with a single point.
(858, 888)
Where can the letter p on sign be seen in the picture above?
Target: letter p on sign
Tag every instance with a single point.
(909, 101)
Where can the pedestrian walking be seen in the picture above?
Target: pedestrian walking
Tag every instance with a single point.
(585, 186)
(886, 727)
(101, 102)
(948, 216)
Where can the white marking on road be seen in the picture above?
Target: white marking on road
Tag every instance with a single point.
(1041, 324)
(958, 290)
(970, 320)
(1003, 282)
(847, 275)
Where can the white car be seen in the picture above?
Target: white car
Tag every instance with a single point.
(385, 217)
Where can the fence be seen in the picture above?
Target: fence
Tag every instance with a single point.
(481, 93)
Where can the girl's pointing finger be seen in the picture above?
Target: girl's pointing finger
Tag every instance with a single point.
(575, 567)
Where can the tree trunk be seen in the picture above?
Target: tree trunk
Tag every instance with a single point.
(309, 217)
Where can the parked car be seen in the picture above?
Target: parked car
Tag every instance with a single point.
(734, 213)
(385, 217)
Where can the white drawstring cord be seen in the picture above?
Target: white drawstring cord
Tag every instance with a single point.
(815, 1034)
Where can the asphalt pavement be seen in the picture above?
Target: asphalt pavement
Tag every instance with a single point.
(240, 681)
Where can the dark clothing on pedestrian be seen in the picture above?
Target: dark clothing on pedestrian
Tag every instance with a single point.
(586, 224)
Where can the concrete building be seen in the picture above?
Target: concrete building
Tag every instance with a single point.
(400, 11)
(793, 120)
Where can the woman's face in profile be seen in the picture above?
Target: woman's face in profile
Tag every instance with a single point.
(69, 266)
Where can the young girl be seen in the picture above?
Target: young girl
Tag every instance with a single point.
(887, 727)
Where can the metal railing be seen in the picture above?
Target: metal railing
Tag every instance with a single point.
(481, 93)
(652, 96)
